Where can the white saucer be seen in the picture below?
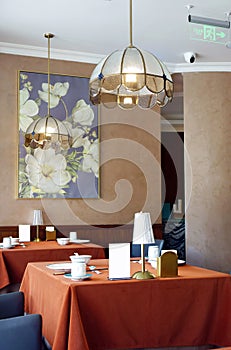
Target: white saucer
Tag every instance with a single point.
(68, 275)
(80, 241)
(62, 266)
(10, 247)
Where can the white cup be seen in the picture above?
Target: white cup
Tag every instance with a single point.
(153, 252)
(73, 236)
(6, 242)
(78, 267)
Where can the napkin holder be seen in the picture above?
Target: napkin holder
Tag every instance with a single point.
(50, 233)
(167, 265)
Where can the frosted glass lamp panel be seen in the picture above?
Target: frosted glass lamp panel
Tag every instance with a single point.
(142, 230)
(133, 70)
(47, 125)
(113, 63)
(162, 99)
(126, 99)
(152, 64)
(111, 72)
(38, 218)
(109, 100)
(146, 99)
(97, 70)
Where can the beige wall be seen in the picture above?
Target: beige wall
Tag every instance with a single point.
(130, 159)
(207, 108)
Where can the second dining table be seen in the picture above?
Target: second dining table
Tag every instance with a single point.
(13, 261)
(191, 309)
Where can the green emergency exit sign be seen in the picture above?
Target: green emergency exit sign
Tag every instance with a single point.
(208, 33)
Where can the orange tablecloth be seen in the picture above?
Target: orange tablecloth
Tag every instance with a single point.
(13, 261)
(189, 310)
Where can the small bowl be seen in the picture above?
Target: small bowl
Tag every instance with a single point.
(14, 240)
(87, 258)
(63, 240)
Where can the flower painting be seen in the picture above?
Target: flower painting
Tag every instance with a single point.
(56, 172)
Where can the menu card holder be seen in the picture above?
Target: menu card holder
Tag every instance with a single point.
(50, 233)
(119, 261)
(167, 265)
(24, 233)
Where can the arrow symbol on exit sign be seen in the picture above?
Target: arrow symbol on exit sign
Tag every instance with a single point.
(220, 34)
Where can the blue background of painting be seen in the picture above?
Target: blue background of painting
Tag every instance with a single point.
(87, 185)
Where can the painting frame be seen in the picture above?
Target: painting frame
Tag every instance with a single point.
(73, 173)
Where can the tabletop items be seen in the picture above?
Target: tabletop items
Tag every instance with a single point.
(13, 262)
(63, 240)
(143, 234)
(9, 242)
(119, 260)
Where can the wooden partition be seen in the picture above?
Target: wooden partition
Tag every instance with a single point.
(99, 234)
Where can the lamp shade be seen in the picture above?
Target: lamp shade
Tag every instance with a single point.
(47, 132)
(142, 230)
(131, 77)
(38, 217)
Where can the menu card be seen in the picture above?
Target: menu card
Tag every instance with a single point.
(119, 261)
(24, 233)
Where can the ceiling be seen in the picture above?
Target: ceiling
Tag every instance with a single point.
(88, 30)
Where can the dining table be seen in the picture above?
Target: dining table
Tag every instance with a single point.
(96, 313)
(13, 261)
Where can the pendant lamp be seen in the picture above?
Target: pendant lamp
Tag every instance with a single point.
(129, 78)
(48, 131)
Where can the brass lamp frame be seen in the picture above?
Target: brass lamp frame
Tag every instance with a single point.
(143, 274)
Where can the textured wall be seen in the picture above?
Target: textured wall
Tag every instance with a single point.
(130, 159)
(207, 106)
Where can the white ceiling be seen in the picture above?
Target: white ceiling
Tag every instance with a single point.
(87, 30)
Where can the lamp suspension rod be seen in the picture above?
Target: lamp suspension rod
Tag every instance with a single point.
(48, 36)
(131, 43)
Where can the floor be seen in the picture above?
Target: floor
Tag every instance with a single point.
(205, 347)
(10, 288)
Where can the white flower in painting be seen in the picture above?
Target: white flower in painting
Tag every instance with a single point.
(47, 170)
(56, 92)
(76, 133)
(91, 157)
(82, 113)
(27, 109)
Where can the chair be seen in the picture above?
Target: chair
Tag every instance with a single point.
(136, 252)
(11, 305)
(21, 333)
(17, 330)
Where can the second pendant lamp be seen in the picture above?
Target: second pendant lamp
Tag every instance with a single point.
(48, 131)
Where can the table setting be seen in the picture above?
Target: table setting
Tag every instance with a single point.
(11, 242)
(76, 270)
(15, 255)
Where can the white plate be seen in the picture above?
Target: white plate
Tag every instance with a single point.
(62, 266)
(68, 275)
(153, 262)
(80, 241)
(181, 262)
